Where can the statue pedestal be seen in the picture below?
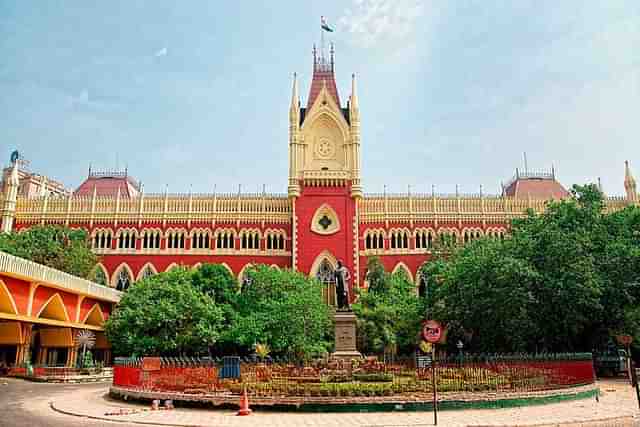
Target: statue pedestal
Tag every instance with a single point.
(346, 336)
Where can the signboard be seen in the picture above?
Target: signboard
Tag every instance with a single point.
(432, 331)
(151, 364)
(625, 340)
(423, 362)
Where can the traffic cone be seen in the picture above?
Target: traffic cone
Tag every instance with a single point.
(244, 404)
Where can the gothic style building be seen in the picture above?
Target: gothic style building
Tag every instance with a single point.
(324, 217)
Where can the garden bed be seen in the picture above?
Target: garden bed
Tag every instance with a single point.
(413, 402)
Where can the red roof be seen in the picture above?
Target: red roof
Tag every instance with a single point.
(322, 74)
(107, 184)
(536, 188)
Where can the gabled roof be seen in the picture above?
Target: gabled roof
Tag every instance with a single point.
(107, 184)
(322, 75)
(536, 186)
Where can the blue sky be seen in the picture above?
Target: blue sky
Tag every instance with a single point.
(196, 94)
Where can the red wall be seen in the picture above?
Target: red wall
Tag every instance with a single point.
(311, 244)
(43, 293)
(19, 290)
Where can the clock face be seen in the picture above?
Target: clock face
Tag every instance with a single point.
(325, 148)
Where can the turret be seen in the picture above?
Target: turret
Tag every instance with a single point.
(10, 198)
(630, 184)
(354, 118)
(294, 128)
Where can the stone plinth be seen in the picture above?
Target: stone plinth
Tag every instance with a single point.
(346, 336)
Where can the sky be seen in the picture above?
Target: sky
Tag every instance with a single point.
(193, 96)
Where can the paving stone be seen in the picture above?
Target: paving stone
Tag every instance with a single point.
(617, 407)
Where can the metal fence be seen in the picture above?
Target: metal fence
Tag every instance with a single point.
(368, 377)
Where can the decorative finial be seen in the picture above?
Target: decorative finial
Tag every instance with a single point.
(457, 190)
(331, 52)
(433, 190)
(315, 55)
(553, 171)
(89, 169)
(480, 190)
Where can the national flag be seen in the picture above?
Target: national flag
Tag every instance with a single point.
(324, 25)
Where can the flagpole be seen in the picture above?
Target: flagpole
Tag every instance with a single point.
(321, 42)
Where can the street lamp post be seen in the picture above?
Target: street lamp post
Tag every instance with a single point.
(460, 346)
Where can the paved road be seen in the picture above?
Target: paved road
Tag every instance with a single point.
(26, 404)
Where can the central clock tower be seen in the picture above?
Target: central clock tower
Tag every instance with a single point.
(324, 174)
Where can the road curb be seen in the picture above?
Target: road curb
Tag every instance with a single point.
(115, 420)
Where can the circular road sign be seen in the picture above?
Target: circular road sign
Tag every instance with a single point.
(432, 331)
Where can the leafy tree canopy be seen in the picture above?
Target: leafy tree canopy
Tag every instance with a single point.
(284, 310)
(165, 315)
(55, 246)
(563, 281)
(389, 312)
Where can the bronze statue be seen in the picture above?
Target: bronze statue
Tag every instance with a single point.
(342, 276)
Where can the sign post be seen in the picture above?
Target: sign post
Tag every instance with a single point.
(432, 333)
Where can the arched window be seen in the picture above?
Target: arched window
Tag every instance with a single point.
(249, 239)
(124, 280)
(399, 239)
(150, 239)
(325, 273)
(225, 239)
(127, 239)
(102, 239)
(175, 239)
(200, 240)
(147, 272)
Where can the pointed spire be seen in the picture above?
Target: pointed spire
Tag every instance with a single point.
(354, 93)
(294, 94)
(629, 183)
(14, 179)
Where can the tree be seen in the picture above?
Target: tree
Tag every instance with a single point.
(564, 279)
(389, 312)
(284, 310)
(216, 281)
(62, 248)
(164, 315)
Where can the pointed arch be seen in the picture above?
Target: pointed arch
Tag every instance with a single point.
(99, 274)
(123, 266)
(324, 255)
(171, 267)
(225, 265)
(95, 316)
(243, 270)
(196, 266)
(401, 266)
(7, 303)
(274, 266)
(143, 273)
(54, 309)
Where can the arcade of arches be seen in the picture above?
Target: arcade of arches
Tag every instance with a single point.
(42, 310)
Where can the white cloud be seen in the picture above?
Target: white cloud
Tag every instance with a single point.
(161, 52)
(381, 22)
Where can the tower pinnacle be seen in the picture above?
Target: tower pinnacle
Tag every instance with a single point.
(630, 183)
